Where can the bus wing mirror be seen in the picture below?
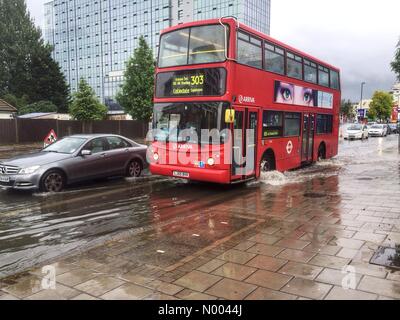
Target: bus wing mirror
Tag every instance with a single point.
(230, 116)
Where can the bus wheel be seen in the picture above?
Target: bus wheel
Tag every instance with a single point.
(268, 163)
(321, 153)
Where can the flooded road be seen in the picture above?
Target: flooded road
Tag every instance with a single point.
(35, 228)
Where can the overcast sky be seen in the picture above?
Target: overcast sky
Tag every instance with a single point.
(358, 36)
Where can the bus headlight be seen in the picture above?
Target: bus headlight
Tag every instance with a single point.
(156, 157)
(211, 162)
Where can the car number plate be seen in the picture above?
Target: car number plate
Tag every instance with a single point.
(4, 179)
(181, 174)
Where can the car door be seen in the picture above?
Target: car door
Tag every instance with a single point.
(89, 167)
(118, 155)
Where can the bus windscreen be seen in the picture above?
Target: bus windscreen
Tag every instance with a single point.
(196, 45)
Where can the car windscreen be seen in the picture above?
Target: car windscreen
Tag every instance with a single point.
(355, 127)
(377, 126)
(67, 145)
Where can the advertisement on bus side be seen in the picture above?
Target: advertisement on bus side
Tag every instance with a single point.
(289, 93)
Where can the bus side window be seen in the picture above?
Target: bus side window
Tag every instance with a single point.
(294, 66)
(310, 71)
(272, 124)
(292, 124)
(324, 124)
(274, 59)
(323, 76)
(249, 50)
(335, 80)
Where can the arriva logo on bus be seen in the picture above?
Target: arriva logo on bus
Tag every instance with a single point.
(243, 99)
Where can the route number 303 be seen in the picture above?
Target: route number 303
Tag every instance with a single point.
(197, 80)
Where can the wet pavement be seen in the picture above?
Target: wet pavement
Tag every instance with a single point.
(305, 234)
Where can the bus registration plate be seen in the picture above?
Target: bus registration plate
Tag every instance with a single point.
(180, 174)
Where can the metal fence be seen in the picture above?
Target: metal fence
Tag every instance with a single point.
(16, 131)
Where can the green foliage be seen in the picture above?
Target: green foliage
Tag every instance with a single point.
(396, 62)
(346, 108)
(85, 105)
(381, 106)
(15, 101)
(48, 83)
(136, 95)
(26, 66)
(41, 106)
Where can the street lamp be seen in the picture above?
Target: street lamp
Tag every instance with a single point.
(362, 91)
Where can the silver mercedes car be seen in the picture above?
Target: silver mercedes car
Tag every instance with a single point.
(74, 159)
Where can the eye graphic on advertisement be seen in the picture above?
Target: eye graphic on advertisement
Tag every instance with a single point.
(286, 94)
(307, 97)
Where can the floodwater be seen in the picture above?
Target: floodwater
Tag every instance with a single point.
(35, 228)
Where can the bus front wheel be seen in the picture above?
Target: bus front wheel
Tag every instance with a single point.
(268, 163)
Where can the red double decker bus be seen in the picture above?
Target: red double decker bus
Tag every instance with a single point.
(265, 105)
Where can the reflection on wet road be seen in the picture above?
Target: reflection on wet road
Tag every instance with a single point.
(186, 216)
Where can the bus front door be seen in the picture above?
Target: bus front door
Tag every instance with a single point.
(244, 143)
(308, 137)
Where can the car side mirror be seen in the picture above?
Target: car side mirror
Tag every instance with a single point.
(86, 153)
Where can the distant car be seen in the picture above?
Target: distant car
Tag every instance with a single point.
(378, 130)
(74, 159)
(394, 128)
(356, 131)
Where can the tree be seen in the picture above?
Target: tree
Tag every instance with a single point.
(26, 66)
(14, 101)
(381, 106)
(85, 105)
(136, 95)
(41, 106)
(48, 82)
(396, 62)
(346, 108)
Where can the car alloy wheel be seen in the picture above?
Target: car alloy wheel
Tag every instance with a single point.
(53, 182)
(135, 169)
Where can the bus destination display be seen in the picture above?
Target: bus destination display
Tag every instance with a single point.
(188, 85)
(191, 83)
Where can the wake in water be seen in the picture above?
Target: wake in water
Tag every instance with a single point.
(326, 168)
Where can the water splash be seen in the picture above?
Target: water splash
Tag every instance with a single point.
(324, 169)
(274, 178)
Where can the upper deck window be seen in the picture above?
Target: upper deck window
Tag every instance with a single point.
(310, 71)
(323, 76)
(335, 80)
(294, 66)
(249, 50)
(204, 44)
(274, 59)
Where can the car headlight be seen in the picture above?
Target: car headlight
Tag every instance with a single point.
(211, 162)
(156, 157)
(29, 170)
